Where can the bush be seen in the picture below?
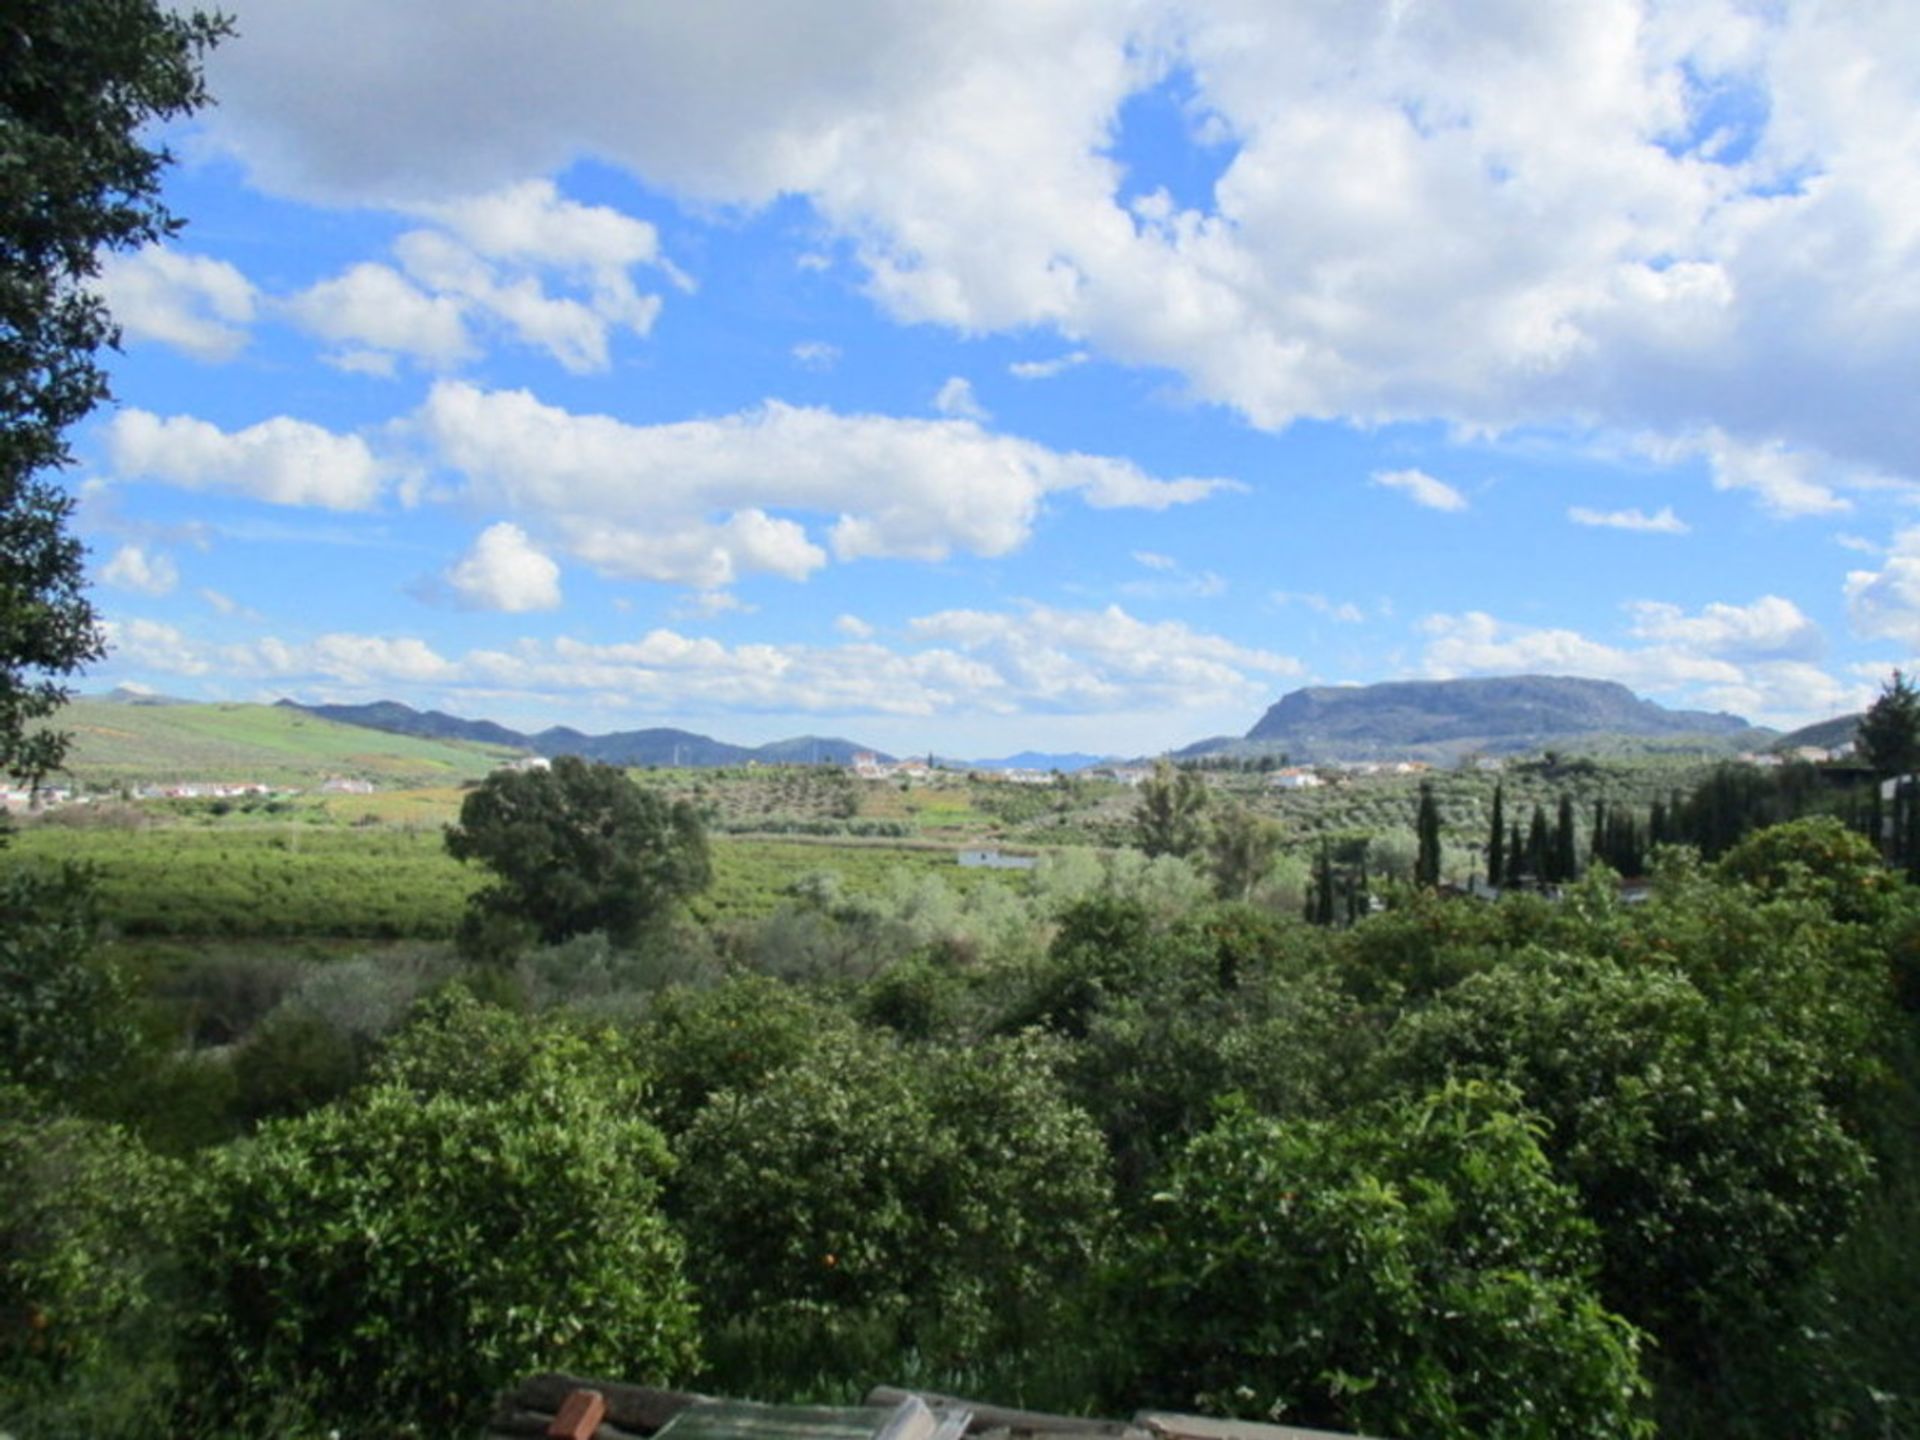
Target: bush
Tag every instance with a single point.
(85, 1220)
(1412, 1270)
(398, 1260)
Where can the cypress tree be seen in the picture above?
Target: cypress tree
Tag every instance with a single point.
(1426, 865)
(1537, 850)
(1516, 855)
(1566, 845)
(1497, 838)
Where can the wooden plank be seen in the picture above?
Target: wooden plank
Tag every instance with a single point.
(988, 1417)
(579, 1416)
(629, 1407)
(1206, 1427)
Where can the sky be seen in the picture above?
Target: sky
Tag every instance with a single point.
(978, 375)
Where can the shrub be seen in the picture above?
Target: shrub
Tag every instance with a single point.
(398, 1260)
(1412, 1270)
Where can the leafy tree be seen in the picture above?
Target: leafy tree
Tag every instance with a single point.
(1240, 849)
(85, 1216)
(389, 1265)
(1889, 733)
(66, 1016)
(80, 82)
(945, 1198)
(577, 847)
(1170, 817)
(1413, 1269)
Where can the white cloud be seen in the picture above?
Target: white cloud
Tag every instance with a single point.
(504, 571)
(1885, 603)
(1421, 488)
(816, 355)
(373, 309)
(1770, 628)
(1047, 369)
(1746, 660)
(191, 302)
(226, 605)
(1787, 481)
(133, 568)
(694, 502)
(957, 400)
(1343, 611)
(488, 266)
(282, 461)
(853, 627)
(1662, 522)
(1039, 661)
(1512, 214)
(1153, 560)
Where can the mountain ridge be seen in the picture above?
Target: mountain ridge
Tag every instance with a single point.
(660, 745)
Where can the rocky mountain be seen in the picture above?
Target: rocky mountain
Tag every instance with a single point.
(1438, 719)
(1824, 734)
(659, 746)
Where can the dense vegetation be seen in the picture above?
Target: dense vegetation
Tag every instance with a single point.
(1536, 1167)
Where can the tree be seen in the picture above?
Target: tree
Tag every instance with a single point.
(1170, 817)
(1497, 838)
(1241, 850)
(1889, 733)
(1426, 867)
(1412, 1269)
(577, 847)
(80, 81)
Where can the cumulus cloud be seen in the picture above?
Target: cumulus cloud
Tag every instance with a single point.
(191, 302)
(1421, 488)
(1749, 660)
(376, 311)
(282, 461)
(1037, 661)
(695, 502)
(133, 568)
(487, 264)
(956, 399)
(1662, 522)
(1047, 369)
(504, 571)
(1518, 214)
(1885, 603)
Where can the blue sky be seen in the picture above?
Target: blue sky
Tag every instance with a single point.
(983, 375)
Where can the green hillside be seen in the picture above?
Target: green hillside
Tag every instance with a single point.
(133, 744)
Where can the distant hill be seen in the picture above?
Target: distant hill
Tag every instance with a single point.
(140, 742)
(1442, 719)
(660, 746)
(1825, 734)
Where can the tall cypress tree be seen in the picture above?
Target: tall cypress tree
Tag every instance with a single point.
(1566, 844)
(1538, 856)
(1426, 864)
(1516, 855)
(1497, 838)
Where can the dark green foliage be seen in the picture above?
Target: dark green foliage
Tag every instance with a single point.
(66, 1022)
(1170, 816)
(1705, 1134)
(1240, 851)
(80, 82)
(398, 1260)
(85, 1219)
(1426, 868)
(954, 1199)
(1412, 1270)
(576, 848)
(1497, 838)
(1889, 734)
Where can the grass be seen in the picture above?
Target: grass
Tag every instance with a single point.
(151, 744)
